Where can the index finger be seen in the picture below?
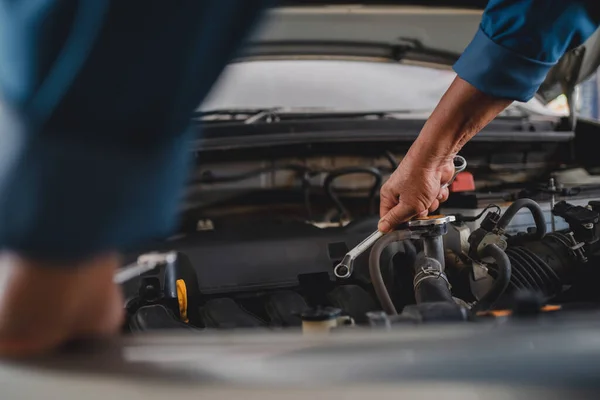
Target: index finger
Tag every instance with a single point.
(398, 214)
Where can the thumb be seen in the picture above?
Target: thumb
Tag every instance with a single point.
(397, 215)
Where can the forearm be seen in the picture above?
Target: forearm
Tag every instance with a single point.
(516, 45)
(461, 113)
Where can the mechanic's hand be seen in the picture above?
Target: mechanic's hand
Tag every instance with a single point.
(414, 189)
(43, 306)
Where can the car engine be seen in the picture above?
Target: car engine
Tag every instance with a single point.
(262, 229)
(504, 261)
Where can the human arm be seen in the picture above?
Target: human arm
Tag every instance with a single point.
(415, 186)
(515, 47)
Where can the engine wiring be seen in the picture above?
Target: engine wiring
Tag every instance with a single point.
(305, 173)
(464, 218)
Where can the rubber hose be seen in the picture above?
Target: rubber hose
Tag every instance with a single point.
(430, 282)
(502, 280)
(433, 291)
(327, 184)
(411, 251)
(536, 211)
(390, 157)
(375, 268)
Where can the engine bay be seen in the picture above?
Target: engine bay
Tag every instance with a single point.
(258, 248)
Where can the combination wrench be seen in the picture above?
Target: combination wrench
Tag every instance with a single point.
(345, 268)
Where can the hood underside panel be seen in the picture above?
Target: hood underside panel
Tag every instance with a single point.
(426, 31)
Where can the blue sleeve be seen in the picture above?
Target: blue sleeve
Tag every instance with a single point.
(94, 114)
(519, 41)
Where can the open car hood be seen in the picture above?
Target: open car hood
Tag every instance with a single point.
(417, 31)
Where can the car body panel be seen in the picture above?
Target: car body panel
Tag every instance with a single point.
(445, 29)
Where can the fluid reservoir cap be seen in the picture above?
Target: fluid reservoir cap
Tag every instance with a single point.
(595, 205)
(321, 314)
(431, 220)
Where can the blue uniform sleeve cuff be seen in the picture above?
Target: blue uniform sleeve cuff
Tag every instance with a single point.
(500, 72)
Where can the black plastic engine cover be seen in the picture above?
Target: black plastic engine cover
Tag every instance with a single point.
(250, 257)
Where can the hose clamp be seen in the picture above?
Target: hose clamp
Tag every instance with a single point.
(429, 273)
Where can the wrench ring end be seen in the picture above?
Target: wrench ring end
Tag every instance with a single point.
(342, 271)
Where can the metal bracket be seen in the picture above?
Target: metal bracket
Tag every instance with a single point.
(431, 220)
(480, 271)
(145, 262)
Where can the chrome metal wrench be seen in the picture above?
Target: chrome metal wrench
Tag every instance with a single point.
(345, 268)
(460, 164)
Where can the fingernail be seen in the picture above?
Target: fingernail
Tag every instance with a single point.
(384, 226)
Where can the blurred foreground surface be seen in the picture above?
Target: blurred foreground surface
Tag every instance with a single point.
(520, 360)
